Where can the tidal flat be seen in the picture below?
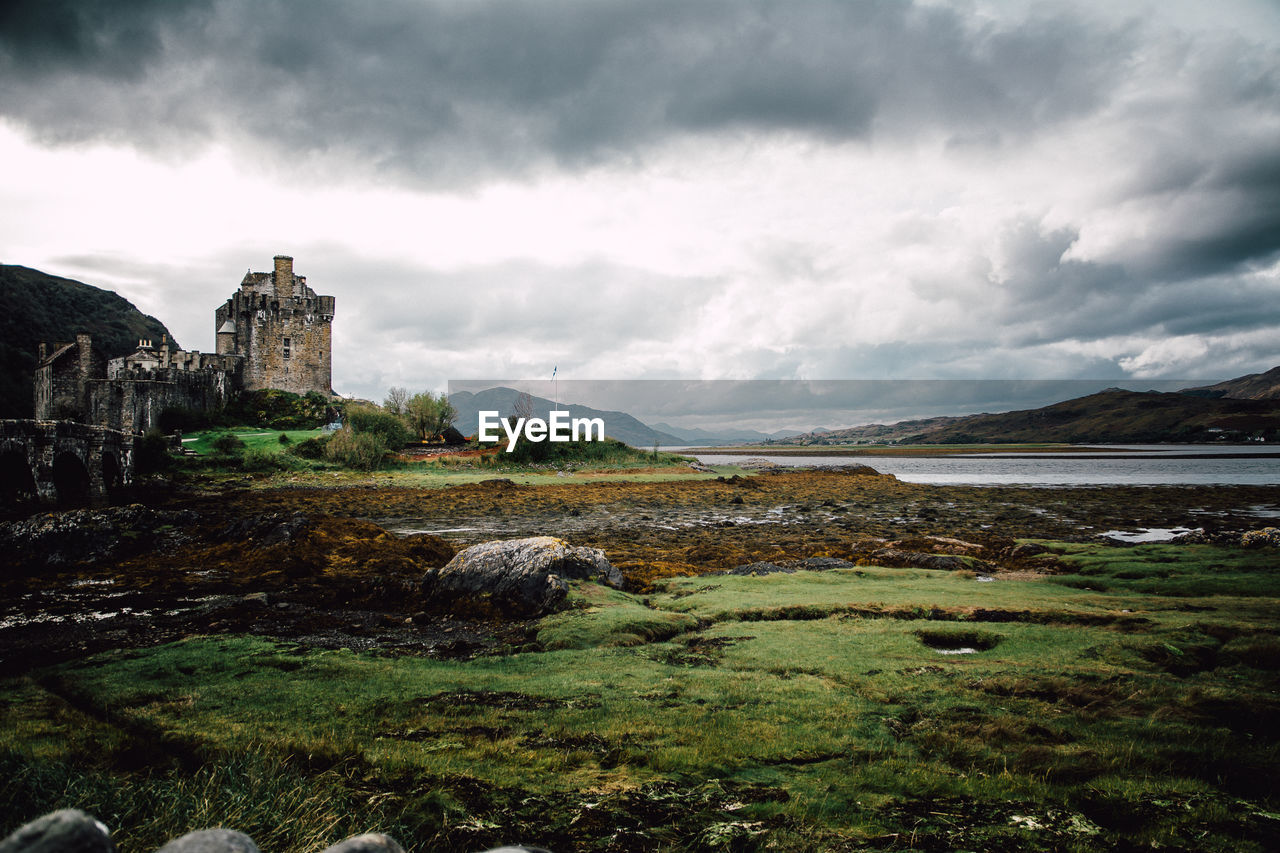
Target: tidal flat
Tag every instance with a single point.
(816, 660)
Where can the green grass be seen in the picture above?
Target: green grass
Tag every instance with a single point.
(1172, 570)
(441, 472)
(790, 712)
(254, 438)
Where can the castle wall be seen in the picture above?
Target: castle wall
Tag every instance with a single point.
(134, 400)
(274, 332)
(282, 328)
(60, 380)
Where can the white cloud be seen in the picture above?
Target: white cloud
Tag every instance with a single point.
(980, 190)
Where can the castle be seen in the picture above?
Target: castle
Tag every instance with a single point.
(273, 332)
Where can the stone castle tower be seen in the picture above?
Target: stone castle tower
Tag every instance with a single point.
(282, 328)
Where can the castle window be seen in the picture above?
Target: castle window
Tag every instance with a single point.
(286, 347)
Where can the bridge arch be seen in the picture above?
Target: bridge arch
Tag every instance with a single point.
(62, 462)
(71, 481)
(17, 482)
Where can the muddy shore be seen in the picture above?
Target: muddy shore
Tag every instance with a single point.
(339, 567)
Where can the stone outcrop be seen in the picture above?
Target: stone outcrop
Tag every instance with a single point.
(920, 560)
(73, 831)
(58, 540)
(65, 831)
(518, 577)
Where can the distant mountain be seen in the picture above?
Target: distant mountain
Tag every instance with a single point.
(708, 438)
(1239, 409)
(36, 306)
(869, 433)
(617, 425)
(1255, 386)
(1114, 416)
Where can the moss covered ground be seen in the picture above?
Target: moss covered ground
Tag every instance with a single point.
(1082, 696)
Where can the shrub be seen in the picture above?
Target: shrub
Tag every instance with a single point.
(609, 451)
(257, 459)
(362, 451)
(276, 409)
(311, 448)
(151, 453)
(227, 444)
(370, 420)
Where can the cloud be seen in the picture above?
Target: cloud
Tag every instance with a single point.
(727, 188)
(442, 92)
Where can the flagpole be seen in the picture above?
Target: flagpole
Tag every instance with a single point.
(556, 383)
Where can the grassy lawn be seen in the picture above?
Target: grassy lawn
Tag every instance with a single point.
(428, 472)
(865, 708)
(253, 437)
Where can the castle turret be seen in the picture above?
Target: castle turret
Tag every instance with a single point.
(282, 329)
(282, 281)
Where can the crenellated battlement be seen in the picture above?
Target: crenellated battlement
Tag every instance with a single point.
(273, 332)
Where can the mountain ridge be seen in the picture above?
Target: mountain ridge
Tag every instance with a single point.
(1244, 408)
(619, 425)
(36, 306)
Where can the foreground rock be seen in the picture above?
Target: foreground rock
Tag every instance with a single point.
(57, 540)
(65, 831)
(73, 831)
(517, 577)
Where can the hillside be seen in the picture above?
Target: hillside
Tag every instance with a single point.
(617, 425)
(1238, 409)
(36, 306)
(1117, 417)
(726, 435)
(868, 433)
(1255, 386)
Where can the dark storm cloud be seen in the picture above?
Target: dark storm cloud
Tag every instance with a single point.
(1049, 297)
(425, 88)
(116, 40)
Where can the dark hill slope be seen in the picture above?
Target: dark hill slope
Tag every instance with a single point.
(36, 306)
(619, 425)
(1115, 417)
(1255, 386)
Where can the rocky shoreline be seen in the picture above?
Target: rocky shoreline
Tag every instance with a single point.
(339, 568)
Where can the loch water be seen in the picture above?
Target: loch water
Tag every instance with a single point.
(1131, 465)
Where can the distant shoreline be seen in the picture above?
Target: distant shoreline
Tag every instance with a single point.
(1041, 451)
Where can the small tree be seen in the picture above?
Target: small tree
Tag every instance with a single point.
(430, 414)
(397, 402)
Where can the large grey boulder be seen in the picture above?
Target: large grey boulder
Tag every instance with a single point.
(370, 842)
(211, 841)
(65, 831)
(521, 577)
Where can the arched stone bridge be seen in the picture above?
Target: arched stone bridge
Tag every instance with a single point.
(62, 462)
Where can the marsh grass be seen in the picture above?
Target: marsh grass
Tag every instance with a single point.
(789, 712)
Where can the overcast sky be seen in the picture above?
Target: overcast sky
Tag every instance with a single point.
(699, 189)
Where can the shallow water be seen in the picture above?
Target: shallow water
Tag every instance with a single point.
(1132, 465)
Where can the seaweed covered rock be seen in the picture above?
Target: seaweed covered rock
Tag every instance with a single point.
(56, 540)
(920, 560)
(518, 577)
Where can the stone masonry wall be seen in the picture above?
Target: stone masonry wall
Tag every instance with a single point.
(134, 400)
(282, 328)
